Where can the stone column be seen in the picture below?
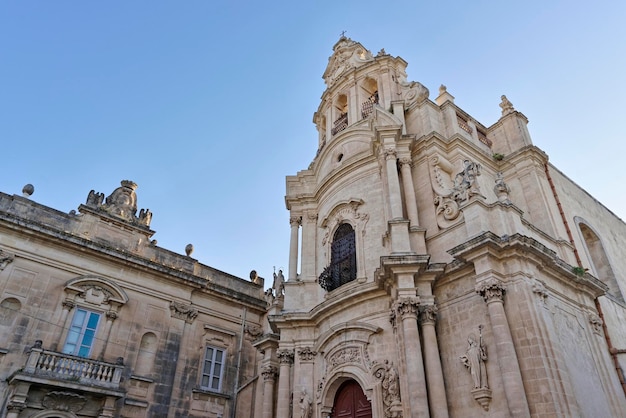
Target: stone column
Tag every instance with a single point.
(434, 372)
(393, 183)
(307, 265)
(417, 397)
(111, 316)
(68, 305)
(409, 191)
(305, 382)
(269, 377)
(492, 291)
(285, 357)
(17, 401)
(295, 222)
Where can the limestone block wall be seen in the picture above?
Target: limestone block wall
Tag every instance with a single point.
(156, 318)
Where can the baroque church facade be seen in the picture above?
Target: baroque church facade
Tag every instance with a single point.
(438, 267)
(446, 268)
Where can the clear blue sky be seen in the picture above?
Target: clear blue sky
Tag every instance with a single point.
(207, 105)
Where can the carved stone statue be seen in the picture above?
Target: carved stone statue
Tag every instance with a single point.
(501, 189)
(95, 199)
(279, 283)
(466, 182)
(122, 204)
(506, 106)
(305, 403)
(474, 359)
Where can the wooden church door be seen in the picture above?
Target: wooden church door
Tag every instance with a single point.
(350, 402)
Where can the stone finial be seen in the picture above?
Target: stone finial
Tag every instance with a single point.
(506, 106)
(28, 190)
(188, 249)
(442, 89)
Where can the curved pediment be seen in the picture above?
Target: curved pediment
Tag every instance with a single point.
(356, 331)
(347, 54)
(97, 290)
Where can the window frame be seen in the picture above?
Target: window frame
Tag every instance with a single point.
(84, 332)
(212, 375)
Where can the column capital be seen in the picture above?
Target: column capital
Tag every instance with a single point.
(407, 307)
(285, 356)
(389, 154)
(491, 290)
(111, 315)
(306, 354)
(16, 406)
(295, 221)
(68, 304)
(405, 161)
(269, 372)
(428, 314)
(310, 217)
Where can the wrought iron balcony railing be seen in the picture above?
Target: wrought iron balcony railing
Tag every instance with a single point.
(340, 124)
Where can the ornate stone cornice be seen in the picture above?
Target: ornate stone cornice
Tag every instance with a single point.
(491, 290)
(269, 372)
(428, 314)
(407, 306)
(306, 354)
(285, 356)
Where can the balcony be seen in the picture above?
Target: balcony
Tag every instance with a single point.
(57, 369)
(340, 124)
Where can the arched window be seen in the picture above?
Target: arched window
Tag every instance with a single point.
(600, 261)
(342, 267)
(341, 114)
(370, 92)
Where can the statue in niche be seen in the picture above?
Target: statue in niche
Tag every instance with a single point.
(279, 283)
(474, 359)
(305, 404)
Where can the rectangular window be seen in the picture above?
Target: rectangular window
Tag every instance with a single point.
(82, 333)
(212, 368)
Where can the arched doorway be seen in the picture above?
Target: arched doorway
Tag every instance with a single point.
(350, 402)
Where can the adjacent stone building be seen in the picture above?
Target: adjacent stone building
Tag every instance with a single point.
(440, 267)
(96, 320)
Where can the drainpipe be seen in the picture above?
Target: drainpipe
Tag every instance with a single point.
(612, 350)
(236, 385)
